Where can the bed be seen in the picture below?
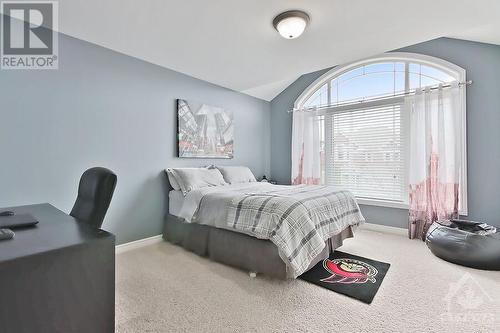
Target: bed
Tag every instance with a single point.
(260, 227)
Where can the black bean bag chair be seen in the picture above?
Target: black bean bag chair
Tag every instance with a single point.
(466, 243)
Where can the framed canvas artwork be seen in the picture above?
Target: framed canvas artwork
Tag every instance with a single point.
(204, 131)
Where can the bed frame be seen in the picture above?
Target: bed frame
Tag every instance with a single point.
(237, 249)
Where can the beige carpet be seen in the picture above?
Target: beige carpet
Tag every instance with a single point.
(163, 288)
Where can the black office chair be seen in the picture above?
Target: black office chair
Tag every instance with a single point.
(94, 196)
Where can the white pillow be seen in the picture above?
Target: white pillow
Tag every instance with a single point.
(193, 178)
(174, 182)
(171, 178)
(237, 174)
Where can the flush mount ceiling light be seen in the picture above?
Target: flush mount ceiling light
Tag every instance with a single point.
(291, 24)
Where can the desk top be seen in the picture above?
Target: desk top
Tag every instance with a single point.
(55, 230)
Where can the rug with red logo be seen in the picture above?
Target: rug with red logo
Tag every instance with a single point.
(348, 274)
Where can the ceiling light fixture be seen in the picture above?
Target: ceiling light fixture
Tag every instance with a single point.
(291, 24)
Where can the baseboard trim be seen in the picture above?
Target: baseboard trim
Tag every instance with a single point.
(385, 229)
(138, 244)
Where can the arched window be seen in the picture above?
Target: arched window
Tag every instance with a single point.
(390, 74)
(364, 141)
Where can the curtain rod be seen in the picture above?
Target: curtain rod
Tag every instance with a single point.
(360, 101)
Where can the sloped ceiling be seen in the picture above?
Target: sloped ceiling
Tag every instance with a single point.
(232, 42)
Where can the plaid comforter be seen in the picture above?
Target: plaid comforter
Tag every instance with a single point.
(298, 219)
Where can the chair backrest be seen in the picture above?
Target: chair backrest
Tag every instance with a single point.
(94, 196)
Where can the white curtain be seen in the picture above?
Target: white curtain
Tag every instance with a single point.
(435, 156)
(306, 155)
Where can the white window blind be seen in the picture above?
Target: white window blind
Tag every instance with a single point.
(365, 152)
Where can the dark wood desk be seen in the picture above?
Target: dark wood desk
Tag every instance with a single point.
(58, 276)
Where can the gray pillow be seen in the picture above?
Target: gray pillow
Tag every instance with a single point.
(237, 174)
(194, 178)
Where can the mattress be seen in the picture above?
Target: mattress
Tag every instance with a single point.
(197, 208)
(210, 212)
(175, 202)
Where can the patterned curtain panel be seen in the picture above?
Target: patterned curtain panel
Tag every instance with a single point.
(306, 145)
(436, 135)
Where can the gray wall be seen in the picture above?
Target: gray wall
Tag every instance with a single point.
(105, 108)
(102, 108)
(482, 62)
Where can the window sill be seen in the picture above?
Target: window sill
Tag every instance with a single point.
(391, 204)
(382, 203)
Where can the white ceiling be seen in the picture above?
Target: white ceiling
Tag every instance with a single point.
(233, 44)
